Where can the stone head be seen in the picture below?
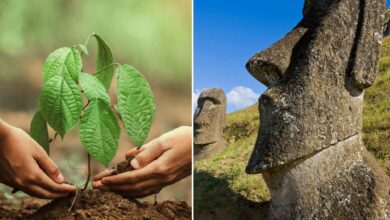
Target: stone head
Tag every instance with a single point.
(209, 118)
(316, 76)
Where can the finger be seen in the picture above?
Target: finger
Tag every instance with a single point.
(102, 174)
(99, 185)
(133, 152)
(39, 192)
(47, 183)
(152, 150)
(130, 177)
(48, 166)
(137, 187)
(154, 182)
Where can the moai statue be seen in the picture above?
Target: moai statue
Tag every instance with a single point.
(309, 147)
(209, 122)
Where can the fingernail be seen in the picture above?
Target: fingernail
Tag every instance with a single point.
(134, 163)
(60, 178)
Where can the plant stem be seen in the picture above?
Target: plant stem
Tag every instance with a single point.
(89, 172)
(86, 105)
(74, 200)
(87, 40)
(86, 43)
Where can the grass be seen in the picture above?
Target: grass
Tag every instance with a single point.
(221, 182)
(242, 123)
(376, 121)
(222, 188)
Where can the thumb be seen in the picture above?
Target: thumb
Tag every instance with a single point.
(150, 152)
(48, 166)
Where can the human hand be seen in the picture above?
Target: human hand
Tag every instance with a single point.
(161, 162)
(26, 166)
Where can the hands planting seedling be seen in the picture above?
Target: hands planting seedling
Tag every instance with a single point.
(62, 108)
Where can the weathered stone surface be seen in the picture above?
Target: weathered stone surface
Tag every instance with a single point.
(309, 147)
(339, 182)
(209, 122)
(318, 100)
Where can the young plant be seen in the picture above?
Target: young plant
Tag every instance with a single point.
(61, 102)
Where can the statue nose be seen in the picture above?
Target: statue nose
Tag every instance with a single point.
(268, 73)
(201, 119)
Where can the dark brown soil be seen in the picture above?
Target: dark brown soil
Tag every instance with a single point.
(123, 166)
(26, 207)
(98, 204)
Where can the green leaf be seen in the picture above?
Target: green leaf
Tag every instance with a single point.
(104, 63)
(62, 61)
(83, 48)
(38, 131)
(99, 131)
(135, 103)
(93, 88)
(61, 103)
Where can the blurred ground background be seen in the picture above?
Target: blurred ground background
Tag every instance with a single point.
(154, 36)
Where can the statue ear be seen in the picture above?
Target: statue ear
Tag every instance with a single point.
(366, 51)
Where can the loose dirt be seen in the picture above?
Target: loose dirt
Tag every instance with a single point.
(98, 204)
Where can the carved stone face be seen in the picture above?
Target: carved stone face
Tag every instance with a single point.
(209, 118)
(316, 76)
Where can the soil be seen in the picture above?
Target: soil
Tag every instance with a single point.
(26, 207)
(98, 204)
(123, 166)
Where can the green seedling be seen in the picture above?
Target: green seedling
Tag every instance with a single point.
(62, 107)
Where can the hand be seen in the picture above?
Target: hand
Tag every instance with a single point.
(161, 162)
(26, 166)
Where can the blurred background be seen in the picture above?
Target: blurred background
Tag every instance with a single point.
(154, 36)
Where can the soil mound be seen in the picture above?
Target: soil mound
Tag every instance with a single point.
(98, 204)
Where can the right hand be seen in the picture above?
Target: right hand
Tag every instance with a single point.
(161, 162)
(25, 166)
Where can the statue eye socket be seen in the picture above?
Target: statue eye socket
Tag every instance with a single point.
(203, 100)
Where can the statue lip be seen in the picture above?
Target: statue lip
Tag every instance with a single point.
(200, 130)
(203, 143)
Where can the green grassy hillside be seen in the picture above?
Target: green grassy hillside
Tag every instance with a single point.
(376, 122)
(224, 190)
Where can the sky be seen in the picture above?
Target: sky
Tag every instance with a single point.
(227, 33)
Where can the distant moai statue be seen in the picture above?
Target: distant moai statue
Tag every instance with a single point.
(209, 122)
(309, 147)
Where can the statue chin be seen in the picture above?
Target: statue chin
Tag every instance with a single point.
(204, 150)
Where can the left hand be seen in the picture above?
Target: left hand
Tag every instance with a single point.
(161, 162)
